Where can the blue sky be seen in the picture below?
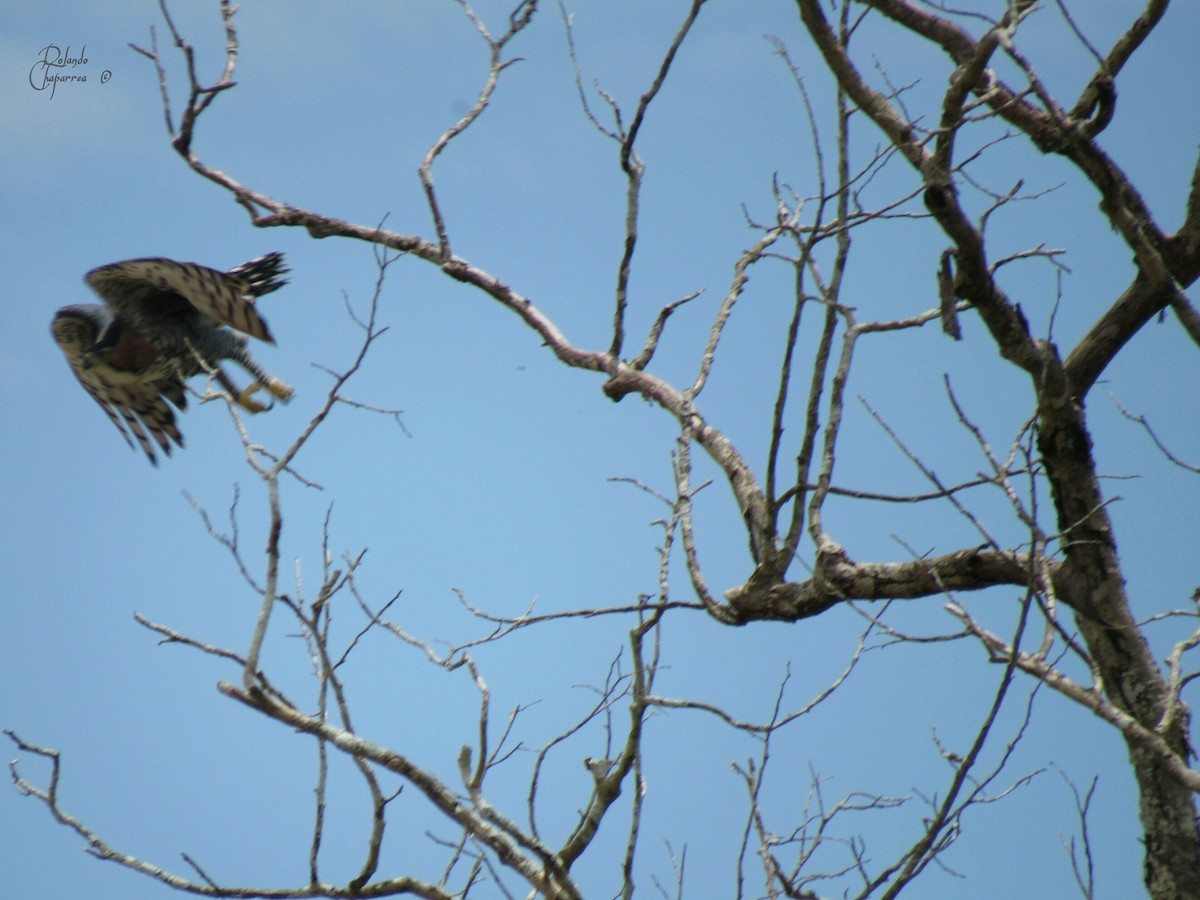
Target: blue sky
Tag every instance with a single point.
(498, 483)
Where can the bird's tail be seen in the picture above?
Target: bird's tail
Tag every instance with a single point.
(262, 275)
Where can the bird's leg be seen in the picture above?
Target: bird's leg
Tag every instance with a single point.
(278, 389)
(244, 401)
(275, 387)
(243, 397)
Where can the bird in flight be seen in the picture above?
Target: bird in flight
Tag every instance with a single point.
(162, 322)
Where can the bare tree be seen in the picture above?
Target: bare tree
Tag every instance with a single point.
(1070, 631)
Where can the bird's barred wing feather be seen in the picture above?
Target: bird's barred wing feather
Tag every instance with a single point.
(129, 353)
(134, 407)
(140, 408)
(142, 289)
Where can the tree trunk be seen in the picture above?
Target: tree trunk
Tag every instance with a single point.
(1091, 583)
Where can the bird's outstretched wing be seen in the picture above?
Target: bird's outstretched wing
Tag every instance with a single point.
(134, 406)
(148, 289)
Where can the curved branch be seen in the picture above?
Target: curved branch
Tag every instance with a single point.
(101, 849)
(520, 18)
(544, 873)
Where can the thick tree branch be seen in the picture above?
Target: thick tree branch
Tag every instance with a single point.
(837, 578)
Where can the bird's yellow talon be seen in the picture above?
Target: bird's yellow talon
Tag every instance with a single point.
(278, 389)
(244, 401)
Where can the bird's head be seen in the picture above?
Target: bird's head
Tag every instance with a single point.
(86, 331)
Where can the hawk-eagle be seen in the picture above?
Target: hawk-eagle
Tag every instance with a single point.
(162, 322)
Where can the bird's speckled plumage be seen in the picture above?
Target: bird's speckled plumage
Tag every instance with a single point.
(163, 322)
